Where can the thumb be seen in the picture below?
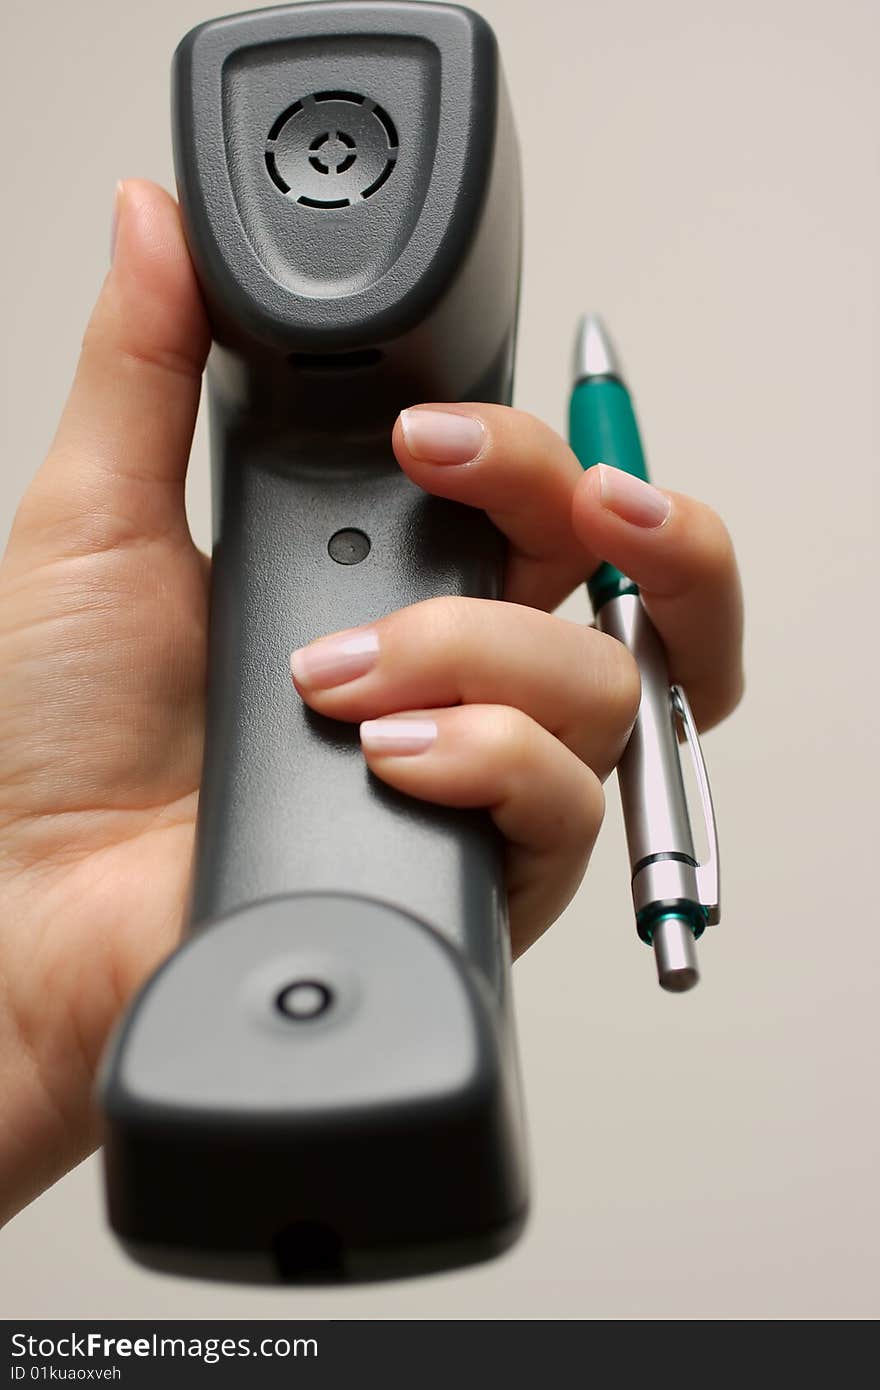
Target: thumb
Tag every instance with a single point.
(117, 466)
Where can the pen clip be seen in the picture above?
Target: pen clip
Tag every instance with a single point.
(708, 874)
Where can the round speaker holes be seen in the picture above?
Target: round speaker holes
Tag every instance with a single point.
(304, 1000)
(331, 150)
(349, 547)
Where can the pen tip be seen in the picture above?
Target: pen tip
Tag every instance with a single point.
(594, 352)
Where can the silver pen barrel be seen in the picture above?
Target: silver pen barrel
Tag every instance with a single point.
(665, 886)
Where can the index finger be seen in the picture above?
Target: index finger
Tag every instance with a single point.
(518, 470)
(561, 522)
(680, 554)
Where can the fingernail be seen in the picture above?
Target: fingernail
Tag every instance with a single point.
(439, 436)
(632, 499)
(334, 660)
(114, 225)
(398, 735)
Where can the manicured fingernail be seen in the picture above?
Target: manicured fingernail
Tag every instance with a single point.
(631, 498)
(114, 225)
(334, 660)
(439, 436)
(398, 735)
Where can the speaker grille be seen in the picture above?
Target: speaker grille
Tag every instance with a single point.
(331, 149)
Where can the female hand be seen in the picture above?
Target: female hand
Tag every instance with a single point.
(103, 616)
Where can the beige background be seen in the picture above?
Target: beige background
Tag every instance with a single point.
(707, 175)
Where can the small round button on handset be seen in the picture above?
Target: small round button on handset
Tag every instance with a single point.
(349, 546)
(304, 1000)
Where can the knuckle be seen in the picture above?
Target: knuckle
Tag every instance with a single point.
(608, 695)
(622, 684)
(510, 747)
(575, 829)
(442, 619)
(591, 802)
(710, 712)
(513, 417)
(628, 687)
(455, 628)
(511, 736)
(519, 439)
(737, 690)
(716, 554)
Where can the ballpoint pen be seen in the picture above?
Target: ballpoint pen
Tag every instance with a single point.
(674, 896)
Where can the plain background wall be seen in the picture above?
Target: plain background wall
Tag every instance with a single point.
(706, 174)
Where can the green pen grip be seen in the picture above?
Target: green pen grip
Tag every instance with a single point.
(602, 428)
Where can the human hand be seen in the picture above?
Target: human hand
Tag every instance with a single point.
(103, 618)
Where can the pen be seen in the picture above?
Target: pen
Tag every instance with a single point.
(674, 896)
